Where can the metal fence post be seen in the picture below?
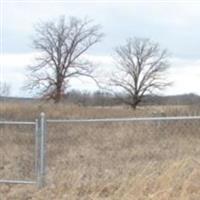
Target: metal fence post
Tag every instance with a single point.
(37, 151)
(41, 155)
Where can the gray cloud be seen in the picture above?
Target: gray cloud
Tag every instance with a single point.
(175, 26)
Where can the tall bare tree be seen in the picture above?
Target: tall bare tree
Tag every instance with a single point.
(61, 45)
(141, 66)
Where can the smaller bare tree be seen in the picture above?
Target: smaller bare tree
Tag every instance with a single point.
(61, 45)
(4, 89)
(141, 67)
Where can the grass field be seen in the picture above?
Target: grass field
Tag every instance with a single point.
(111, 161)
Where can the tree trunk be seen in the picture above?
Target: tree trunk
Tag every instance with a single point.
(135, 103)
(134, 106)
(57, 98)
(58, 95)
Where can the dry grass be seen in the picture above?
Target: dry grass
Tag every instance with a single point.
(111, 161)
(30, 111)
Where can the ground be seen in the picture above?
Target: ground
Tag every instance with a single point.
(111, 161)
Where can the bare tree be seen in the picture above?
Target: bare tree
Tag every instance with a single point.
(4, 89)
(141, 66)
(62, 45)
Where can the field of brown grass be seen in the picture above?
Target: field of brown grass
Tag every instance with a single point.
(110, 161)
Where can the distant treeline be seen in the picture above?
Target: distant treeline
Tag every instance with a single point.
(107, 99)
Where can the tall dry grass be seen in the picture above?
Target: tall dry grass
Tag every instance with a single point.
(146, 160)
(30, 111)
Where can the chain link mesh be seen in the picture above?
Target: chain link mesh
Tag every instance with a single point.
(17, 152)
(88, 156)
(99, 152)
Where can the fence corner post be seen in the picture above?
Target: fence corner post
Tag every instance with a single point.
(41, 157)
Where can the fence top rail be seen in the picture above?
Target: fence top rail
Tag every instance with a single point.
(17, 182)
(123, 119)
(4, 122)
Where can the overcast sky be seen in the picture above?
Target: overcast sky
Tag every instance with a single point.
(173, 24)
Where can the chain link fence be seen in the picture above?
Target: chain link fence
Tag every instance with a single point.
(17, 151)
(97, 149)
(22, 151)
